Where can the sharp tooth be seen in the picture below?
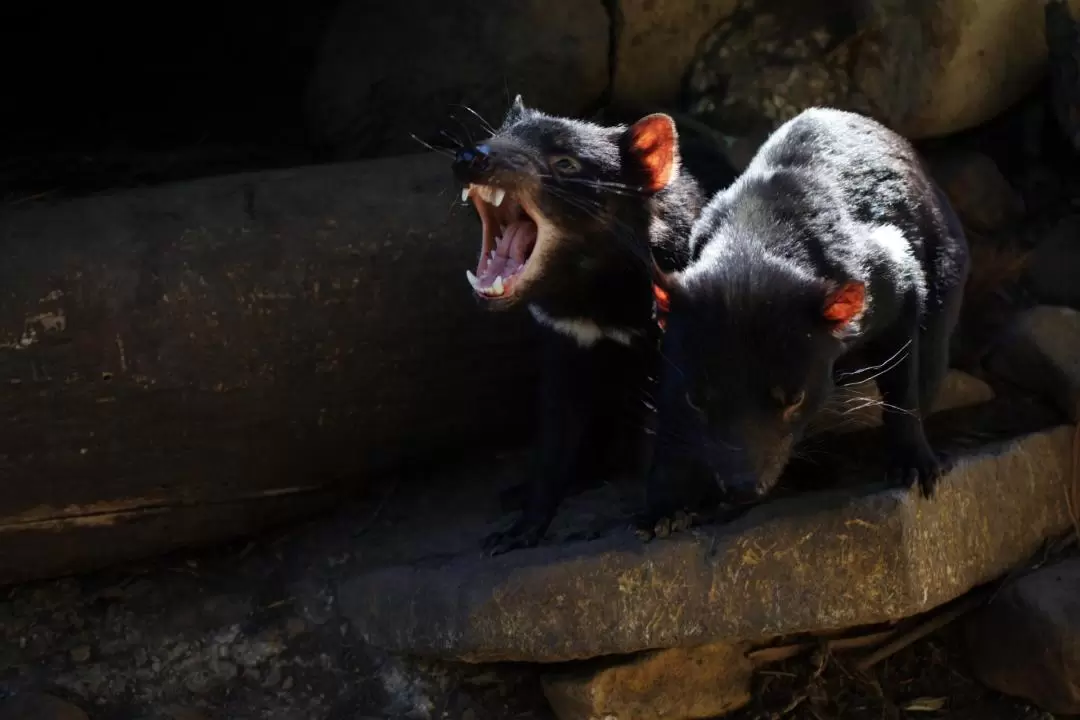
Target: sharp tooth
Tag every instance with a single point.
(465, 194)
(492, 254)
(498, 197)
(472, 279)
(497, 286)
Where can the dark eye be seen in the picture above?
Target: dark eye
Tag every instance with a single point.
(566, 164)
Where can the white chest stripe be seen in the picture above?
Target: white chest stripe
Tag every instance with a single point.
(586, 332)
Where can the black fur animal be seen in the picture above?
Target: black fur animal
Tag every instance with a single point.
(573, 215)
(833, 256)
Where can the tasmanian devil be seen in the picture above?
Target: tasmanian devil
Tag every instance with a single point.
(574, 215)
(833, 254)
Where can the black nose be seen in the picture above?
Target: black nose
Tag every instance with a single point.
(472, 162)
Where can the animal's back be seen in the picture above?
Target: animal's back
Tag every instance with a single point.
(875, 172)
(831, 175)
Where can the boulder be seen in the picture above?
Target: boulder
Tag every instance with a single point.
(655, 42)
(813, 562)
(678, 684)
(388, 69)
(926, 70)
(859, 407)
(1051, 270)
(192, 362)
(39, 706)
(1026, 641)
(1063, 41)
(1041, 353)
(978, 191)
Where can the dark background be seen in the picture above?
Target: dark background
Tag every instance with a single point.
(98, 95)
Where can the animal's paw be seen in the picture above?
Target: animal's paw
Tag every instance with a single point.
(913, 465)
(648, 526)
(520, 535)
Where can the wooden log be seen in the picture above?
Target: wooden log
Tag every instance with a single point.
(183, 364)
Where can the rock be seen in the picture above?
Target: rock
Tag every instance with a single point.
(1051, 270)
(859, 407)
(819, 561)
(926, 71)
(1026, 641)
(655, 43)
(679, 684)
(169, 324)
(959, 389)
(978, 191)
(387, 69)
(177, 712)
(39, 706)
(1041, 353)
(80, 654)
(1063, 42)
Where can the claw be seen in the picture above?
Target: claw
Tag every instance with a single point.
(517, 537)
(916, 467)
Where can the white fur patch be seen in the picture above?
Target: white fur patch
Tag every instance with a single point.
(891, 241)
(586, 332)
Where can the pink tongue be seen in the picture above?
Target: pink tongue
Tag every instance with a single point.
(510, 252)
(519, 239)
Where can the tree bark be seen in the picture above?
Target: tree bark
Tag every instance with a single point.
(184, 364)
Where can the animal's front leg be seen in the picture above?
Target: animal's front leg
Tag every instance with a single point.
(910, 458)
(564, 404)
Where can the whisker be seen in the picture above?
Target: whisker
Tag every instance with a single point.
(432, 148)
(483, 123)
(451, 138)
(874, 367)
(887, 369)
(613, 188)
(464, 127)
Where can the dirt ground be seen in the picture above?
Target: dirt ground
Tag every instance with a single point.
(926, 680)
(252, 630)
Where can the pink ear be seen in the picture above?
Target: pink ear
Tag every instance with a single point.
(654, 142)
(845, 303)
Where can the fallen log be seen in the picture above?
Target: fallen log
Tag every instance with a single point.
(188, 363)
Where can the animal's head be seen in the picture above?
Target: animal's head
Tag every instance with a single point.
(749, 349)
(560, 198)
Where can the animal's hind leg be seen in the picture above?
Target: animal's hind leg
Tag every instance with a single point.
(940, 322)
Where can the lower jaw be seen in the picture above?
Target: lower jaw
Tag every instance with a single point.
(499, 302)
(513, 293)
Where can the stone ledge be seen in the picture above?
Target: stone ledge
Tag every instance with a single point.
(825, 561)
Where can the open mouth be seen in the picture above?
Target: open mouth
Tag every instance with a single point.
(509, 237)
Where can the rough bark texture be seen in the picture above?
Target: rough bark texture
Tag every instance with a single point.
(186, 363)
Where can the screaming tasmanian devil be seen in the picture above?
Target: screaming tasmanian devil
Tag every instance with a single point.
(574, 215)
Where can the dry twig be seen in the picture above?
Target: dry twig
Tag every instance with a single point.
(922, 630)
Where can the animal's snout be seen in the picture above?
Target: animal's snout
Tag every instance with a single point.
(472, 163)
(740, 487)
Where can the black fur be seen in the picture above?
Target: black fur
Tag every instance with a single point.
(607, 229)
(746, 334)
